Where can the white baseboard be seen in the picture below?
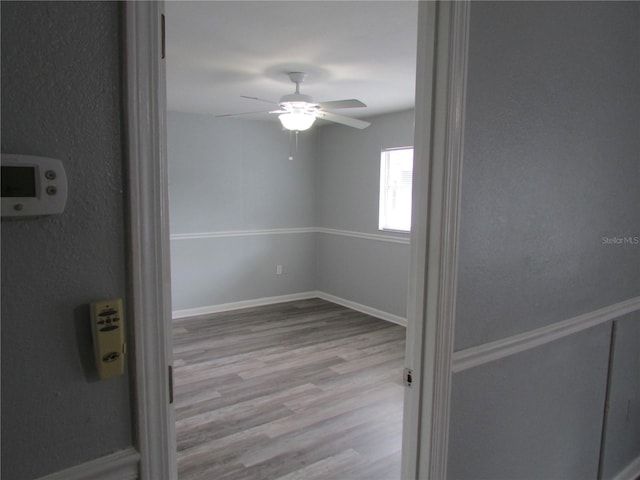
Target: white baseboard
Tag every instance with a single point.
(122, 465)
(630, 472)
(374, 312)
(257, 302)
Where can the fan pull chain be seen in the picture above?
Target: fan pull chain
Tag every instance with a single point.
(291, 144)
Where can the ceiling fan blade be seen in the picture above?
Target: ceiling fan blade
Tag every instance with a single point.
(348, 121)
(260, 100)
(242, 113)
(351, 103)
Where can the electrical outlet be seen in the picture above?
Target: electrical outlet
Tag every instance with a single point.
(278, 269)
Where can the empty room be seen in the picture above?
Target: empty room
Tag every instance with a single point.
(282, 355)
(289, 243)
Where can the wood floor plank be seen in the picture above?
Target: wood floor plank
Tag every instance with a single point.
(327, 467)
(299, 390)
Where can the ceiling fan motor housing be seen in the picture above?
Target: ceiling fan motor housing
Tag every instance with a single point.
(297, 77)
(296, 98)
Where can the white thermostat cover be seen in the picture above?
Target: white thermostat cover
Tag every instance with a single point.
(32, 186)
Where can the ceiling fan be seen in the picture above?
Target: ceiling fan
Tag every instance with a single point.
(298, 112)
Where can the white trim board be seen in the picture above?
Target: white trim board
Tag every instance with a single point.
(488, 352)
(256, 302)
(241, 233)
(122, 465)
(148, 239)
(438, 144)
(291, 231)
(367, 236)
(374, 312)
(225, 307)
(630, 472)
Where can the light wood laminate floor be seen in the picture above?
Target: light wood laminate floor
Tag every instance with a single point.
(299, 390)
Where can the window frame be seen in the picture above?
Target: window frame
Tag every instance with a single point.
(385, 155)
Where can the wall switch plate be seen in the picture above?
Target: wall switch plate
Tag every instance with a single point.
(278, 269)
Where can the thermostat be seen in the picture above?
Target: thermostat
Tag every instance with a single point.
(32, 186)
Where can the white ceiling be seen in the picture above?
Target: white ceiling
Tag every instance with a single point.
(220, 50)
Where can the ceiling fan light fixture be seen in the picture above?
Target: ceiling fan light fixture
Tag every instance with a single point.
(298, 112)
(297, 121)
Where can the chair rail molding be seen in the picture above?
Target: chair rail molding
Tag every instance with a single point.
(122, 465)
(489, 352)
(290, 231)
(630, 472)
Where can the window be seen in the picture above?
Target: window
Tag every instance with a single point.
(396, 172)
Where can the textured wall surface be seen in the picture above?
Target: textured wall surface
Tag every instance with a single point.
(234, 175)
(622, 433)
(231, 174)
(551, 165)
(214, 271)
(551, 171)
(369, 272)
(535, 415)
(349, 170)
(60, 98)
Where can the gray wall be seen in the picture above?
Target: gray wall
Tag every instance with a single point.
(541, 188)
(551, 165)
(370, 272)
(214, 271)
(550, 168)
(349, 170)
(535, 415)
(233, 175)
(622, 433)
(61, 98)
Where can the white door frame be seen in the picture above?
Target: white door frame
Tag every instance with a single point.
(440, 87)
(149, 256)
(440, 100)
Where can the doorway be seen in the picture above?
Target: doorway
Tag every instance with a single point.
(244, 217)
(147, 180)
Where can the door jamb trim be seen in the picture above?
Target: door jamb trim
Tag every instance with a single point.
(148, 237)
(439, 132)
